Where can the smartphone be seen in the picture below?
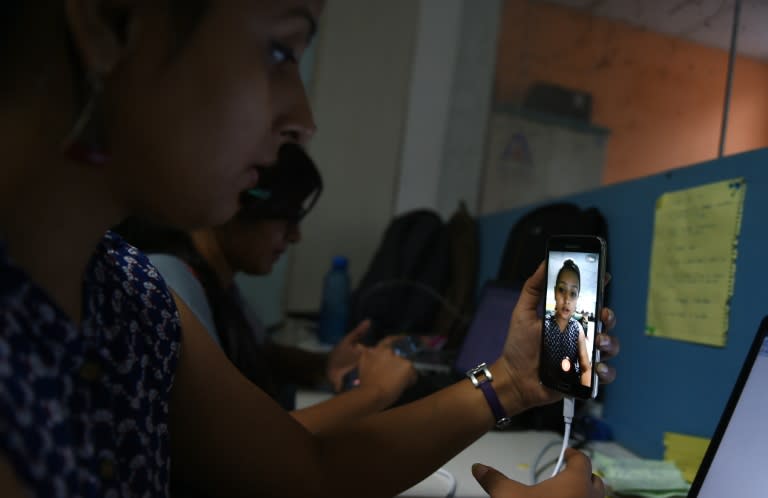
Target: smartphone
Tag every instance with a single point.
(572, 304)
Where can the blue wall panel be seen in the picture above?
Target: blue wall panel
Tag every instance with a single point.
(666, 385)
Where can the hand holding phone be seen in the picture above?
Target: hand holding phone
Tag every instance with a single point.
(573, 300)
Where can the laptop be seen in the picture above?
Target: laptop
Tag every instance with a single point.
(484, 340)
(736, 461)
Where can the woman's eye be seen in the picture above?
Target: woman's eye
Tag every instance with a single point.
(280, 54)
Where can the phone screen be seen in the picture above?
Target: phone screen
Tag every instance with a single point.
(571, 315)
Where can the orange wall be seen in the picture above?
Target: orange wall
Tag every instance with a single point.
(660, 96)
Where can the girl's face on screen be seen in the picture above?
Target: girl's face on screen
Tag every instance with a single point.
(566, 295)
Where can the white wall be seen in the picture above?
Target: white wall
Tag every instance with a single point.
(432, 71)
(469, 106)
(450, 100)
(360, 96)
(401, 92)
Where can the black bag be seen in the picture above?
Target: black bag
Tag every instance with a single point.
(527, 240)
(453, 319)
(402, 289)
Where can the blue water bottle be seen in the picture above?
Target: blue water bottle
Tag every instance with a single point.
(334, 312)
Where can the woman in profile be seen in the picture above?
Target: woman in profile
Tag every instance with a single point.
(167, 110)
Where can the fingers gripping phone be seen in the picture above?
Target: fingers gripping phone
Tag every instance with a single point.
(573, 300)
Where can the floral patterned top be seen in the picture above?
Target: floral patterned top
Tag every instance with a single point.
(84, 409)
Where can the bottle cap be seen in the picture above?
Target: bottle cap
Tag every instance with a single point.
(339, 263)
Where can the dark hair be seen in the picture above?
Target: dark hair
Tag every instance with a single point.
(15, 17)
(185, 18)
(18, 16)
(232, 327)
(184, 15)
(570, 266)
(285, 191)
(10, 11)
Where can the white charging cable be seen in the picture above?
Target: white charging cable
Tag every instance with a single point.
(568, 409)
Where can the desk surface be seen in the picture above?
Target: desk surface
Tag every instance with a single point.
(512, 453)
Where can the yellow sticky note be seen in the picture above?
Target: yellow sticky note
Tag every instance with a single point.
(693, 261)
(686, 451)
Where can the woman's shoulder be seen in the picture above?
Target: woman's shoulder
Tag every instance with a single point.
(185, 282)
(575, 324)
(52, 369)
(125, 290)
(120, 265)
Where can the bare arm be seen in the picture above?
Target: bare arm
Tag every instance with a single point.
(306, 368)
(232, 440)
(584, 359)
(383, 377)
(338, 411)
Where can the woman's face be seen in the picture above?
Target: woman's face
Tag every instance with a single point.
(566, 294)
(253, 247)
(187, 130)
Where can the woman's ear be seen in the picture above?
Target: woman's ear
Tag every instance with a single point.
(101, 30)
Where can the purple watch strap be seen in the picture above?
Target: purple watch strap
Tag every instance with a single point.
(499, 413)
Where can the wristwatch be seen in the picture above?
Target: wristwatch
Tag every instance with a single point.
(484, 384)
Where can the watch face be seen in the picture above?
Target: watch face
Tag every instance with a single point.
(503, 422)
(479, 374)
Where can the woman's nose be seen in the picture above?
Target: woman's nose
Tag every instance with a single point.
(297, 123)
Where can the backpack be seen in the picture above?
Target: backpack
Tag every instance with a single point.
(453, 318)
(527, 240)
(421, 278)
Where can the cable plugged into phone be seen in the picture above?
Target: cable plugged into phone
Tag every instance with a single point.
(568, 409)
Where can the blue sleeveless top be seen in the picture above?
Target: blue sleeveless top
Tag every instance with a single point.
(84, 410)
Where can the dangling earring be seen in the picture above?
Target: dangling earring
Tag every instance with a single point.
(75, 146)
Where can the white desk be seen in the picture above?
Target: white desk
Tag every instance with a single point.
(510, 452)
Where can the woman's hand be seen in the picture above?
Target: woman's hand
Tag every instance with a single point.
(576, 481)
(385, 373)
(521, 350)
(344, 357)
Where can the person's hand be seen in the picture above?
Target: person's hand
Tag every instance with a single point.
(576, 481)
(344, 357)
(390, 341)
(385, 374)
(520, 359)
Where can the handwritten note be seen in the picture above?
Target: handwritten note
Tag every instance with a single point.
(686, 451)
(693, 261)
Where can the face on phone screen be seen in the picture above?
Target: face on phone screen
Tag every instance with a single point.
(570, 318)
